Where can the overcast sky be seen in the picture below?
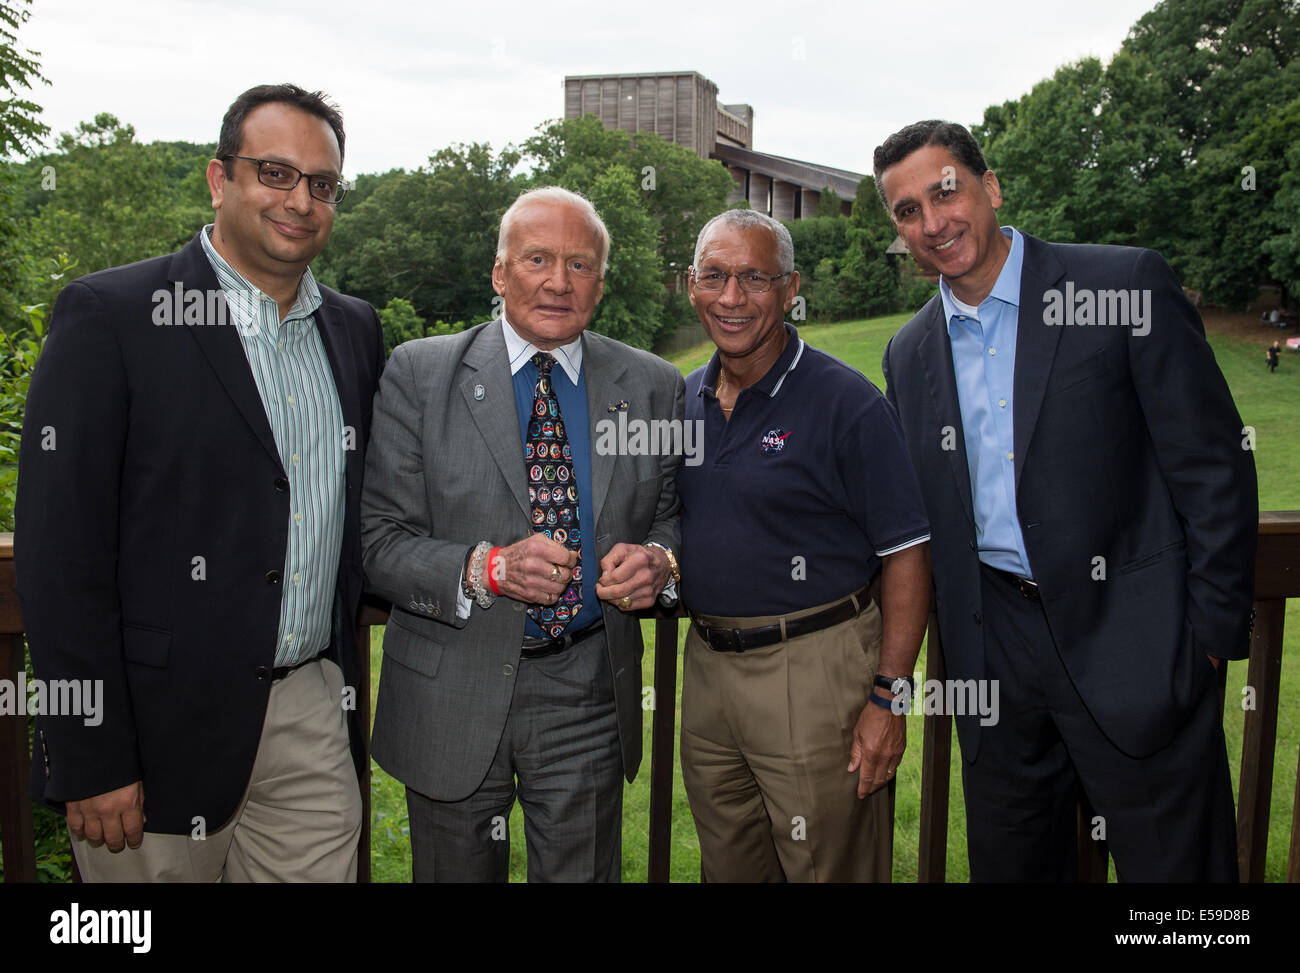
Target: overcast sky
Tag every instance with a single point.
(828, 80)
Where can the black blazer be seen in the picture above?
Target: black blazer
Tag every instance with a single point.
(1127, 447)
(163, 454)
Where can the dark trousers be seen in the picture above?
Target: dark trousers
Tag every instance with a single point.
(559, 754)
(1167, 817)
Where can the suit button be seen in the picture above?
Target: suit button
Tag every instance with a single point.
(262, 673)
(415, 605)
(436, 610)
(976, 618)
(519, 606)
(272, 577)
(507, 670)
(281, 484)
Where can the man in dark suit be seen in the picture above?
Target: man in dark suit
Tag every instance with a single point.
(187, 529)
(1093, 512)
(515, 513)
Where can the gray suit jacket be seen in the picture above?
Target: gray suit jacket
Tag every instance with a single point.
(445, 470)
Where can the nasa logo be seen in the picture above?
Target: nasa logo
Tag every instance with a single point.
(773, 440)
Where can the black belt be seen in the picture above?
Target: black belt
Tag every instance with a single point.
(540, 648)
(743, 639)
(279, 672)
(1027, 588)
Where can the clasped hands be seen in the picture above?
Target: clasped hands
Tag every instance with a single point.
(537, 569)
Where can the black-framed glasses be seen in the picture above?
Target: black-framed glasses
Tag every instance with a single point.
(750, 280)
(281, 175)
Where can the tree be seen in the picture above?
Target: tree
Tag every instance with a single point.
(1152, 149)
(1283, 247)
(428, 236)
(869, 277)
(678, 191)
(113, 200)
(21, 130)
(632, 307)
(828, 204)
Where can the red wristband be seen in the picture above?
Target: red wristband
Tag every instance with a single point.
(491, 570)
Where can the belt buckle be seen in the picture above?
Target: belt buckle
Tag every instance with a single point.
(726, 639)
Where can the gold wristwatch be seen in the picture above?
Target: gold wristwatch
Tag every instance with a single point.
(668, 597)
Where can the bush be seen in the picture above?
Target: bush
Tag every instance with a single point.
(20, 352)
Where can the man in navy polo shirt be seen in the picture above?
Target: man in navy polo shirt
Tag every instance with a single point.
(804, 492)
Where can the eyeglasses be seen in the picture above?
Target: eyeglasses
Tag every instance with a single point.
(750, 281)
(281, 175)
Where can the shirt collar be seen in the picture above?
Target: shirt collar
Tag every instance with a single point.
(1005, 289)
(569, 357)
(248, 297)
(771, 382)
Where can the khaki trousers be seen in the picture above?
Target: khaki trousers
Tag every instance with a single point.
(766, 739)
(299, 818)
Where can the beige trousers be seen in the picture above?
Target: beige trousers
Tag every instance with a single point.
(299, 819)
(766, 739)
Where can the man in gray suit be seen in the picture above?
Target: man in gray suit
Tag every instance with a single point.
(513, 551)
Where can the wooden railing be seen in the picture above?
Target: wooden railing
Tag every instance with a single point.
(1277, 578)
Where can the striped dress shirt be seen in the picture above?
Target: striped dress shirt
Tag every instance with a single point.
(296, 385)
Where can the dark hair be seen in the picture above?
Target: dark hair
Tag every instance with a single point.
(953, 137)
(312, 102)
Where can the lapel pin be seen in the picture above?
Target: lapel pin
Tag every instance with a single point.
(617, 406)
(479, 392)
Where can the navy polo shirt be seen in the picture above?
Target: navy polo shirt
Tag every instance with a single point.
(572, 400)
(797, 497)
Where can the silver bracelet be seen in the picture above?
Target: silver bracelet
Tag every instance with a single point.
(477, 560)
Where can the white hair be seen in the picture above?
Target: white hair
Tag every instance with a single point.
(744, 219)
(558, 196)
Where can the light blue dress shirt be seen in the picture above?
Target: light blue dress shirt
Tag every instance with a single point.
(984, 360)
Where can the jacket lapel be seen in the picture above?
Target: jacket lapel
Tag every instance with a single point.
(1035, 343)
(935, 351)
(221, 345)
(494, 412)
(334, 336)
(603, 372)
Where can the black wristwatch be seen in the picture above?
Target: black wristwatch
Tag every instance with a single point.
(887, 682)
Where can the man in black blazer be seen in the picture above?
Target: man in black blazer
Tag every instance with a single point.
(187, 529)
(1092, 501)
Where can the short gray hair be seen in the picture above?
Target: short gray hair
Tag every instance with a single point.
(744, 219)
(556, 195)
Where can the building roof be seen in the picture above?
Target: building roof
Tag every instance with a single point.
(809, 175)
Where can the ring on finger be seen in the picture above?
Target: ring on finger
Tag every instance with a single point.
(555, 572)
(625, 602)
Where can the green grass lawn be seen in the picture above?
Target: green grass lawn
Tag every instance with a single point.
(1268, 402)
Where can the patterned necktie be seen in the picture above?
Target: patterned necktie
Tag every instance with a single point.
(553, 493)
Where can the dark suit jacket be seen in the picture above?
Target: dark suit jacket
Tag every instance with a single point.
(164, 454)
(1128, 448)
(445, 471)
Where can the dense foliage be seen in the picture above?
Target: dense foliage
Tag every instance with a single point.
(1184, 142)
